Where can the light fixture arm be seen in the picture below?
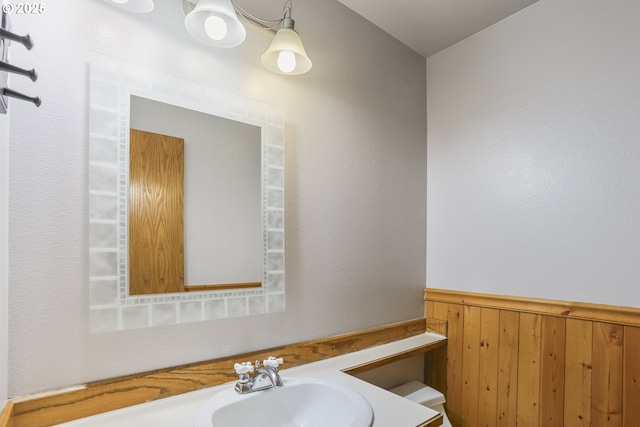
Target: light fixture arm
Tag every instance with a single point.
(287, 9)
(264, 24)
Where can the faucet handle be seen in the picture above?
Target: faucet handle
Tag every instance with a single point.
(273, 362)
(243, 368)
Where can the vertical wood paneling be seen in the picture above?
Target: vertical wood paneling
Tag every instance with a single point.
(631, 377)
(428, 307)
(435, 369)
(552, 372)
(578, 349)
(553, 369)
(440, 310)
(529, 370)
(435, 372)
(455, 336)
(439, 377)
(471, 366)
(508, 368)
(606, 403)
(488, 364)
(606, 408)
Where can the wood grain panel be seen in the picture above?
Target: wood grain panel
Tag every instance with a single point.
(631, 377)
(529, 370)
(606, 403)
(470, 365)
(429, 309)
(435, 371)
(560, 363)
(508, 368)
(440, 311)
(454, 363)
(488, 364)
(117, 393)
(6, 416)
(156, 213)
(552, 371)
(579, 347)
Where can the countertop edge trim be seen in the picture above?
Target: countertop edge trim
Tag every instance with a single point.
(367, 366)
(117, 393)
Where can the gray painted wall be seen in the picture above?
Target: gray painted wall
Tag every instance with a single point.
(355, 183)
(533, 178)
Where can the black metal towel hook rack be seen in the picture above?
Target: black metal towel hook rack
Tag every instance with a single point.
(6, 36)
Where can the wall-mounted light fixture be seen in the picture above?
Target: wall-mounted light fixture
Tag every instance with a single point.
(217, 23)
(286, 55)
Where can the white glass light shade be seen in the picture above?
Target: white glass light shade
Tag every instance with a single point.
(287, 40)
(136, 6)
(222, 11)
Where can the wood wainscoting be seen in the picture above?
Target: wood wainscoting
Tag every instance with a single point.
(532, 362)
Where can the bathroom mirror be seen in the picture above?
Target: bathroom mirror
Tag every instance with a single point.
(212, 167)
(116, 89)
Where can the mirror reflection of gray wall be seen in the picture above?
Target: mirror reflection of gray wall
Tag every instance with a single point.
(223, 211)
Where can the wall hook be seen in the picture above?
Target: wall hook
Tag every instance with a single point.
(5, 66)
(13, 94)
(24, 40)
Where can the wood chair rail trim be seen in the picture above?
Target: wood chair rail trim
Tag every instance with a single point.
(576, 310)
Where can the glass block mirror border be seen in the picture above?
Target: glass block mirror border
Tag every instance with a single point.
(111, 308)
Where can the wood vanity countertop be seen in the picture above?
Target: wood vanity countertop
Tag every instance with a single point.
(389, 409)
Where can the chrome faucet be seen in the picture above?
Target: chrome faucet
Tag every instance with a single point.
(265, 377)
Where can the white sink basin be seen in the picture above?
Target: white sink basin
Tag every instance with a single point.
(302, 402)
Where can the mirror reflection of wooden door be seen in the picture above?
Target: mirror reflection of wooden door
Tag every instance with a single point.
(156, 213)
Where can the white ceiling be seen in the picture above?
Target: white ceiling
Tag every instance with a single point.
(428, 26)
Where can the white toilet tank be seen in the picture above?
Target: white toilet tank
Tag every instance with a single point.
(424, 395)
